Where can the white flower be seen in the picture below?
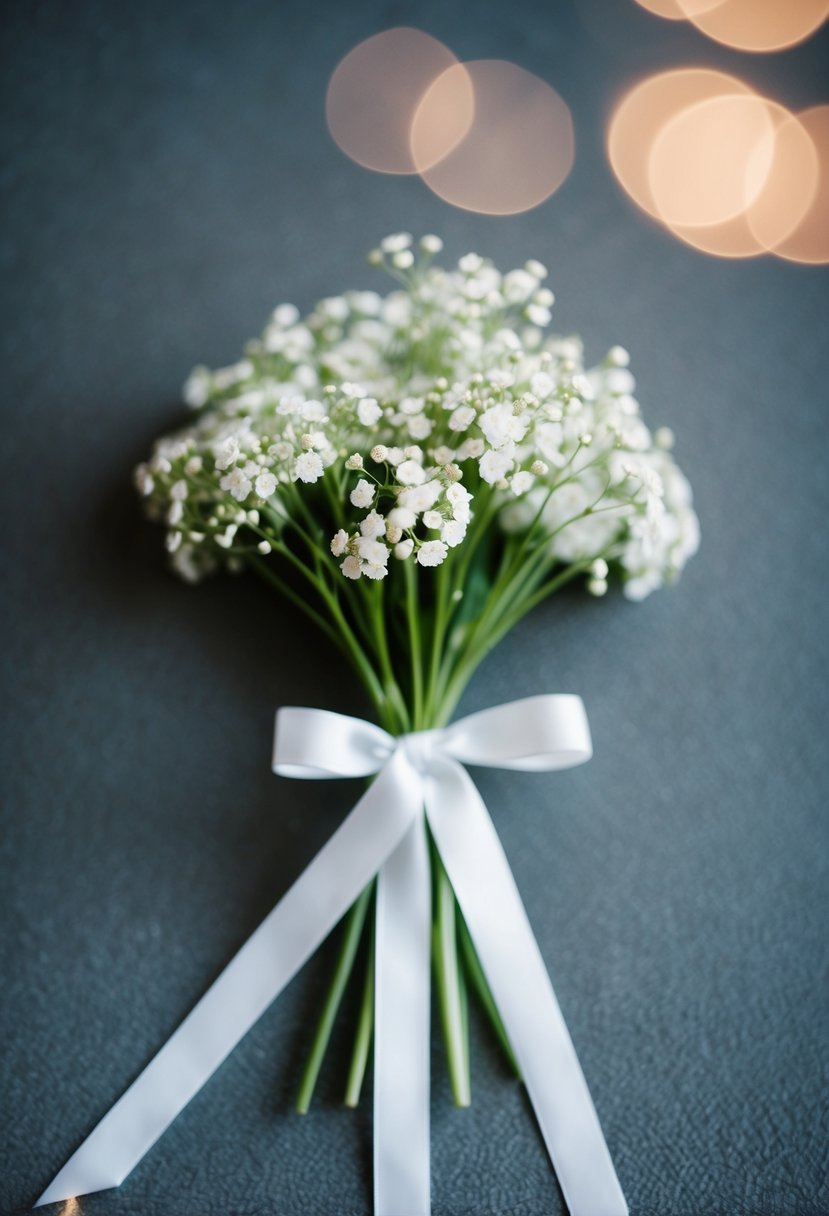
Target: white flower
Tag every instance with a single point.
(461, 418)
(373, 525)
(432, 553)
(355, 461)
(351, 566)
(237, 484)
(368, 411)
(538, 314)
(143, 480)
(432, 519)
(453, 532)
(501, 426)
(175, 513)
(403, 549)
(542, 384)
(197, 388)
(521, 482)
(339, 542)
(403, 260)
(396, 242)
(402, 517)
(493, 466)
(410, 473)
(363, 494)
(308, 467)
(420, 427)
(263, 547)
(379, 453)
(420, 498)
(194, 465)
(519, 285)
(286, 315)
(431, 244)
(226, 453)
(225, 539)
(178, 491)
(265, 485)
(172, 542)
(470, 263)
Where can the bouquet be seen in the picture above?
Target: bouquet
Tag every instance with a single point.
(415, 472)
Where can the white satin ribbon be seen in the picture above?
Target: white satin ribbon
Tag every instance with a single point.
(385, 835)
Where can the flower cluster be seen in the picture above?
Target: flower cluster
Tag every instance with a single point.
(393, 422)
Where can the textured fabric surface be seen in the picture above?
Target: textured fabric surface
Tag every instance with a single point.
(167, 180)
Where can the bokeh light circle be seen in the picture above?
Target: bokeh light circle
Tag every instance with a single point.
(758, 25)
(710, 161)
(376, 89)
(518, 150)
(672, 10)
(646, 109)
(809, 242)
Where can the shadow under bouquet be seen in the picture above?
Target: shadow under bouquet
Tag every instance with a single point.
(415, 472)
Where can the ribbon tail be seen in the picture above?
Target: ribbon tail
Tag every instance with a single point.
(509, 954)
(270, 958)
(402, 1030)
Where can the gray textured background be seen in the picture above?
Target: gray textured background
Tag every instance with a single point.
(168, 179)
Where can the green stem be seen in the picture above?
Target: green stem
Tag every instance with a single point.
(355, 920)
(365, 1027)
(449, 985)
(479, 983)
(414, 643)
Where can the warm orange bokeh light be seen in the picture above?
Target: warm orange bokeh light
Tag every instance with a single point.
(809, 242)
(758, 25)
(518, 150)
(646, 109)
(375, 91)
(728, 172)
(710, 161)
(674, 11)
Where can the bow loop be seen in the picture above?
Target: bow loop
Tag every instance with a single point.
(533, 734)
(316, 743)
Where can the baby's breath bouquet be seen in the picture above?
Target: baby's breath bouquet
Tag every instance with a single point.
(416, 472)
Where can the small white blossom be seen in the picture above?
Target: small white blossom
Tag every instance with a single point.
(432, 553)
(521, 482)
(265, 485)
(308, 467)
(351, 566)
(397, 242)
(354, 462)
(373, 525)
(286, 315)
(144, 482)
(420, 498)
(410, 473)
(379, 453)
(237, 484)
(431, 244)
(493, 466)
(263, 547)
(453, 532)
(226, 453)
(339, 542)
(363, 494)
(197, 388)
(368, 411)
(403, 549)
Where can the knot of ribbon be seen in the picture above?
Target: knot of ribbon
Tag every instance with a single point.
(420, 779)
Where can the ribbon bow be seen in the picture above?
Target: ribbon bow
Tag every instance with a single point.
(420, 779)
